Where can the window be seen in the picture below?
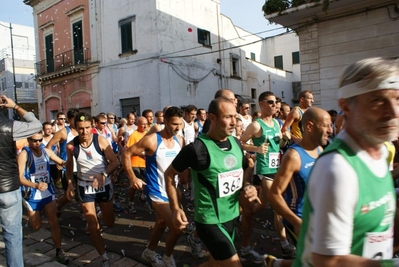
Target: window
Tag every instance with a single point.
(130, 105)
(204, 37)
(253, 93)
(295, 57)
(48, 40)
(253, 56)
(127, 27)
(18, 84)
(278, 62)
(235, 66)
(78, 42)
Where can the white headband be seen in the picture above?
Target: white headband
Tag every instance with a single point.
(354, 89)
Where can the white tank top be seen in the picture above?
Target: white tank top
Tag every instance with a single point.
(188, 132)
(90, 161)
(245, 122)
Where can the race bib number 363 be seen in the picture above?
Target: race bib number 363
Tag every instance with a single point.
(230, 182)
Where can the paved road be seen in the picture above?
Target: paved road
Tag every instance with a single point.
(129, 237)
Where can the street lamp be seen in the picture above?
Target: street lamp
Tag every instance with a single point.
(13, 67)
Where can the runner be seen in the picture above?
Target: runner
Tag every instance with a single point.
(95, 160)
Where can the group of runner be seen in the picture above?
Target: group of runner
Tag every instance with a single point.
(340, 201)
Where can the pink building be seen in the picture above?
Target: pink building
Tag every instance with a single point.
(65, 72)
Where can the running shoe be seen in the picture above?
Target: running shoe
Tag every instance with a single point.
(268, 260)
(105, 263)
(168, 261)
(131, 208)
(288, 252)
(251, 255)
(153, 257)
(117, 207)
(61, 258)
(196, 247)
(190, 228)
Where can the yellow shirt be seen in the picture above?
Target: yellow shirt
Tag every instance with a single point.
(296, 127)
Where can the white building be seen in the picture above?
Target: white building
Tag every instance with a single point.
(23, 38)
(349, 31)
(163, 52)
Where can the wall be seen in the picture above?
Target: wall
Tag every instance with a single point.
(328, 47)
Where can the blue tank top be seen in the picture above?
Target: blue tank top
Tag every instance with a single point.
(63, 152)
(295, 192)
(156, 165)
(37, 172)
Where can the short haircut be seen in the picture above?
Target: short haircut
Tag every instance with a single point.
(146, 111)
(158, 113)
(60, 113)
(200, 110)
(303, 93)
(46, 123)
(173, 112)
(83, 116)
(72, 112)
(265, 94)
(283, 104)
(190, 108)
(110, 114)
(221, 93)
(99, 117)
(332, 112)
(278, 99)
(242, 103)
(215, 104)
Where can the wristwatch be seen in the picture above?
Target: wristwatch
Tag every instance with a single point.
(105, 174)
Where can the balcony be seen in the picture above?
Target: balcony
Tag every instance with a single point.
(71, 61)
(27, 95)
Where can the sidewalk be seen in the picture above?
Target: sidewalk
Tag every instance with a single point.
(39, 251)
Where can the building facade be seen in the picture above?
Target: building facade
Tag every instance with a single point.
(348, 31)
(65, 71)
(148, 54)
(21, 70)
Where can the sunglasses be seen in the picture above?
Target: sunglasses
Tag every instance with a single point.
(111, 118)
(246, 107)
(62, 118)
(103, 123)
(35, 140)
(270, 102)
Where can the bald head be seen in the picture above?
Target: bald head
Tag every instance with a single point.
(314, 114)
(228, 94)
(142, 123)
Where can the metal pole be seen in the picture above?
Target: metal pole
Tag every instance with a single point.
(13, 71)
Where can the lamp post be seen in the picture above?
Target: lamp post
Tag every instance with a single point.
(13, 68)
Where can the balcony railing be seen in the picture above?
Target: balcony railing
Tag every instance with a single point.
(62, 61)
(27, 95)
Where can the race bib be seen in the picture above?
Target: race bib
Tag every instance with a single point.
(274, 160)
(378, 245)
(90, 190)
(230, 182)
(41, 177)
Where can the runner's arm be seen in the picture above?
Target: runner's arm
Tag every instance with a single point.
(55, 158)
(113, 162)
(290, 164)
(57, 138)
(292, 116)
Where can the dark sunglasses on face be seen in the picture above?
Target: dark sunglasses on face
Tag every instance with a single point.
(62, 118)
(35, 140)
(103, 123)
(269, 101)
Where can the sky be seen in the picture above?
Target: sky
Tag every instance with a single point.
(245, 14)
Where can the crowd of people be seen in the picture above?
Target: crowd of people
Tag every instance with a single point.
(328, 175)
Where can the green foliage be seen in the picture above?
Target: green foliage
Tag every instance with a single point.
(273, 6)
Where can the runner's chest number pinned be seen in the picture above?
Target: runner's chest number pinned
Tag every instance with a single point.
(230, 182)
(274, 160)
